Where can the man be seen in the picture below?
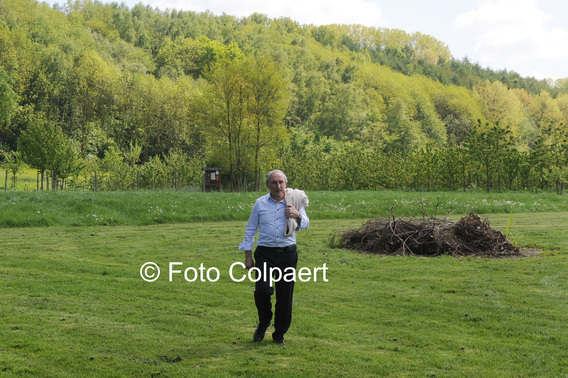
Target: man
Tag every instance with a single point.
(275, 250)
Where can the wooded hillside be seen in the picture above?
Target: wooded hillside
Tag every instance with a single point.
(145, 94)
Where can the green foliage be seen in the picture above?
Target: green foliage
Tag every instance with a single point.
(457, 129)
(551, 151)
(44, 146)
(111, 77)
(500, 105)
(8, 98)
(431, 124)
(117, 170)
(404, 134)
(12, 162)
(267, 108)
(488, 146)
(186, 56)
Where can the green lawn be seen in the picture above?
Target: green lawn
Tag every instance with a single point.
(144, 207)
(73, 304)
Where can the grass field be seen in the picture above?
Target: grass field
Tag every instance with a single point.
(73, 303)
(77, 208)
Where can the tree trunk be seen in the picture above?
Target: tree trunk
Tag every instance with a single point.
(499, 176)
(6, 182)
(488, 179)
(256, 167)
(232, 178)
(463, 174)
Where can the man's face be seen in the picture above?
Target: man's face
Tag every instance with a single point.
(277, 184)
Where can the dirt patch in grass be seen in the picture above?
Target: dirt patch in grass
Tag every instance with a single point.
(471, 236)
(531, 252)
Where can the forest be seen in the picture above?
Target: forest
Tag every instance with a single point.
(104, 97)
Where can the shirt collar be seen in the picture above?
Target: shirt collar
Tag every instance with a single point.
(273, 200)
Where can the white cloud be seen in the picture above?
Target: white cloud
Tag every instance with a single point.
(493, 13)
(317, 12)
(537, 75)
(514, 31)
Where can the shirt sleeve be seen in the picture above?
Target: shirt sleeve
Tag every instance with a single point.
(305, 221)
(250, 231)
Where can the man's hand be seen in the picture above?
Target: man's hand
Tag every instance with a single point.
(249, 263)
(291, 212)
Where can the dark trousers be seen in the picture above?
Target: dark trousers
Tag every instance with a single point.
(278, 258)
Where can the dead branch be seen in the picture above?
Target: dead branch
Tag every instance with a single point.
(471, 236)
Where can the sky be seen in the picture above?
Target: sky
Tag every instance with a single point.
(529, 37)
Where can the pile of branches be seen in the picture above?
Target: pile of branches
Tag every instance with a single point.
(471, 236)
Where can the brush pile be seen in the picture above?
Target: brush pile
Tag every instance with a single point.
(471, 236)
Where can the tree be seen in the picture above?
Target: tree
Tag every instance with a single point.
(71, 165)
(545, 111)
(499, 104)
(552, 148)
(488, 145)
(8, 98)
(562, 102)
(96, 82)
(432, 126)
(193, 56)
(425, 160)
(457, 129)
(42, 144)
(268, 105)
(457, 102)
(343, 114)
(224, 111)
(12, 163)
(403, 133)
(451, 162)
(512, 164)
(116, 169)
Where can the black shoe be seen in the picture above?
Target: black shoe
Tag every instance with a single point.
(259, 334)
(278, 339)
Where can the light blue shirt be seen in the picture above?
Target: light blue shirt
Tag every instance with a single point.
(268, 218)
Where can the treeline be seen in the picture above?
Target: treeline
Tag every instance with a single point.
(487, 160)
(86, 83)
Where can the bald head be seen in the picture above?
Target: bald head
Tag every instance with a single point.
(269, 175)
(276, 182)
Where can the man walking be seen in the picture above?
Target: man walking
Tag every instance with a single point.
(274, 250)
